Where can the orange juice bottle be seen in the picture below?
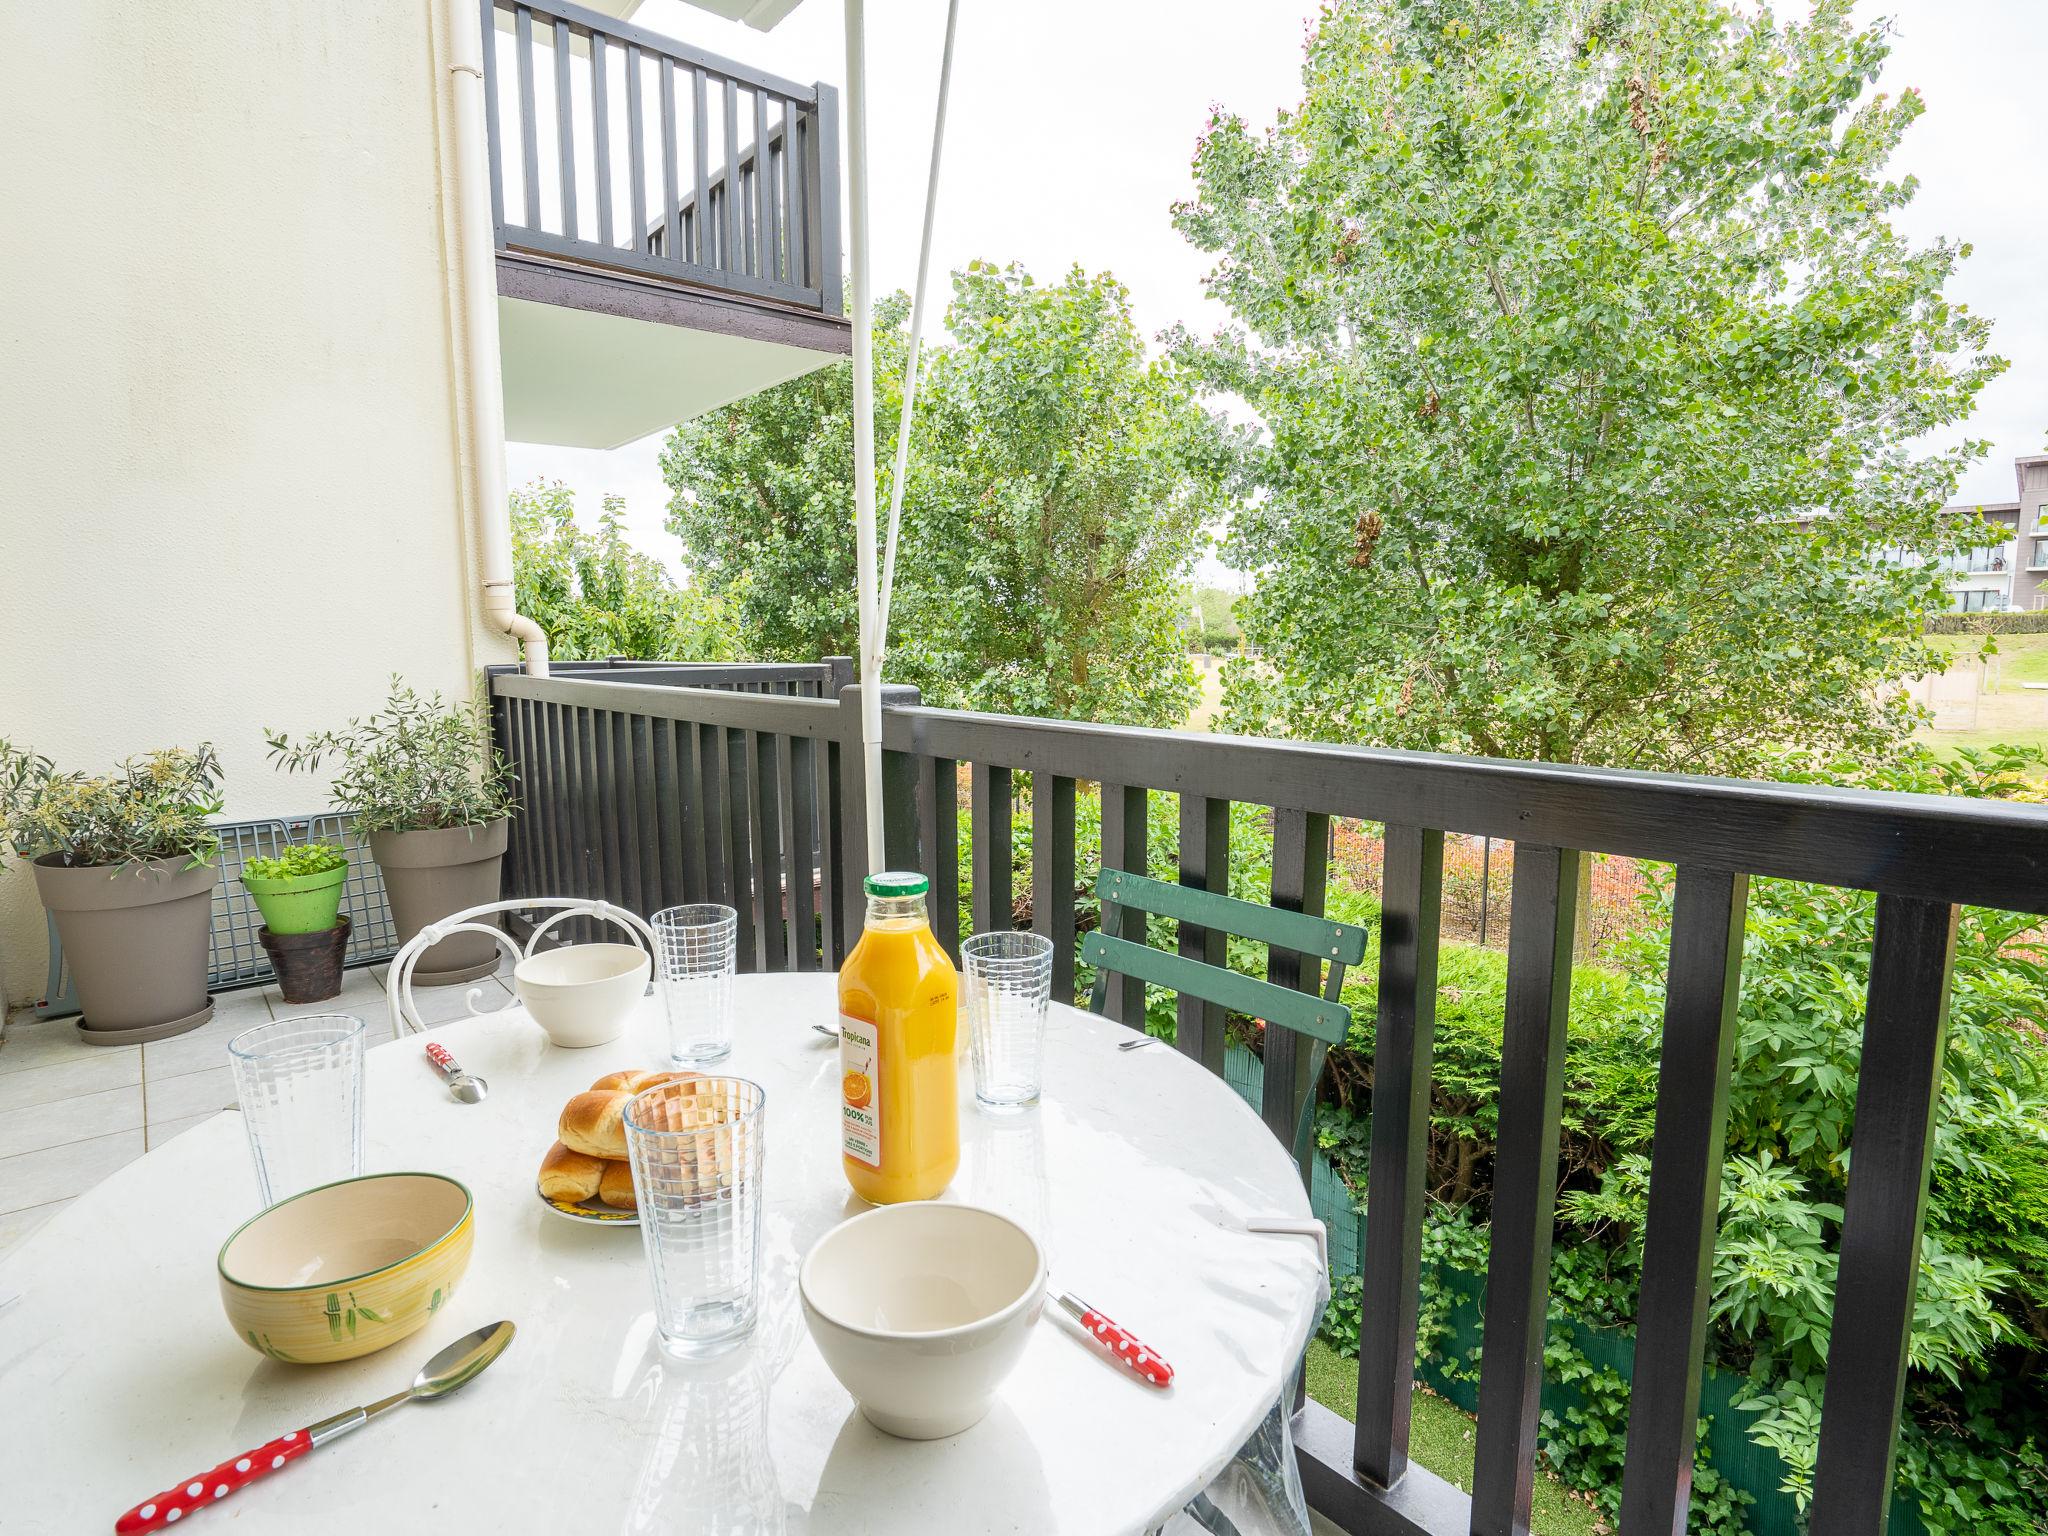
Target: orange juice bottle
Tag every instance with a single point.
(898, 1077)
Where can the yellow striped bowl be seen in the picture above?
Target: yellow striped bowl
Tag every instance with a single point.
(345, 1269)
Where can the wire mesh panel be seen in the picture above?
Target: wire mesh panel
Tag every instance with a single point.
(236, 958)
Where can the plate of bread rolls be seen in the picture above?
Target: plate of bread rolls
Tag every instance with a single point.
(585, 1176)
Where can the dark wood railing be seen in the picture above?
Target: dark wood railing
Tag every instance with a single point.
(613, 146)
(654, 791)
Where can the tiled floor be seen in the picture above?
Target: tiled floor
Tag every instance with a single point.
(72, 1113)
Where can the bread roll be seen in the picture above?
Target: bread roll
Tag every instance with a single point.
(594, 1124)
(629, 1081)
(615, 1187)
(569, 1175)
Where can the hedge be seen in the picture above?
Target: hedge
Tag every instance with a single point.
(1989, 624)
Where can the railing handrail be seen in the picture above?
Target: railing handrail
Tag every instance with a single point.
(586, 21)
(1982, 853)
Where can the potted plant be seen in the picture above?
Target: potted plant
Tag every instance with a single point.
(432, 795)
(125, 865)
(299, 894)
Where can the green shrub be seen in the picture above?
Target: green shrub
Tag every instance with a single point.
(298, 860)
(151, 807)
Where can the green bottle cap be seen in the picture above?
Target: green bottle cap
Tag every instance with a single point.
(896, 883)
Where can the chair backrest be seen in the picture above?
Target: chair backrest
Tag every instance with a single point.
(1290, 1096)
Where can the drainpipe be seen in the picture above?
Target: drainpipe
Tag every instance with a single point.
(478, 242)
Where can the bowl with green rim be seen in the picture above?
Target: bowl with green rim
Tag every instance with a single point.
(346, 1269)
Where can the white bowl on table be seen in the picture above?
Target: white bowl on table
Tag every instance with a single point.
(921, 1310)
(582, 994)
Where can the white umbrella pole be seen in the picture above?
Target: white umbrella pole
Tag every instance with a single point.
(917, 310)
(864, 422)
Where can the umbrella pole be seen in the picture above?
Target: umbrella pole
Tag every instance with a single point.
(864, 425)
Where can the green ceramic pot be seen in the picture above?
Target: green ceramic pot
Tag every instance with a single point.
(298, 903)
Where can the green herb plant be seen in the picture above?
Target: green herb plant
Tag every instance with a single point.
(419, 763)
(153, 806)
(297, 861)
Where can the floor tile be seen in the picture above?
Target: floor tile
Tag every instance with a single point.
(360, 994)
(57, 1173)
(36, 1126)
(193, 1093)
(17, 1225)
(32, 1042)
(206, 1046)
(88, 1069)
(157, 1132)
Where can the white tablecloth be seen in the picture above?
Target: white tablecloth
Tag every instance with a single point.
(119, 1374)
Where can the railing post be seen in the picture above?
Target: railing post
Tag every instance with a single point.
(1205, 865)
(1890, 1151)
(822, 174)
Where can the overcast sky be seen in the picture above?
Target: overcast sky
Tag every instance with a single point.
(1073, 121)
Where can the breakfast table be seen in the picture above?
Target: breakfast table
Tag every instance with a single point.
(1138, 1171)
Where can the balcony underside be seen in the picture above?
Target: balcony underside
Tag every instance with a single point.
(598, 359)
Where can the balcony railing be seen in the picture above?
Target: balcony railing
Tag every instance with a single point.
(615, 147)
(674, 787)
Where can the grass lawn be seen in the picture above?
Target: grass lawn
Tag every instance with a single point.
(1946, 742)
(1441, 1439)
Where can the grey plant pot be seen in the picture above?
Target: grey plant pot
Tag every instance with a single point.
(427, 876)
(135, 942)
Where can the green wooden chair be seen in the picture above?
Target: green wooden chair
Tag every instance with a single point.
(1289, 1100)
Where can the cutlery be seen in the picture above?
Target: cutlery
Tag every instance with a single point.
(1123, 1345)
(465, 1086)
(1138, 1044)
(453, 1368)
(827, 1031)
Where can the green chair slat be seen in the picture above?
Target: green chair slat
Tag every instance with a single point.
(1320, 937)
(1301, 1012)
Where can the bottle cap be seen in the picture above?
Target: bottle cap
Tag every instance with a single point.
(896, 883)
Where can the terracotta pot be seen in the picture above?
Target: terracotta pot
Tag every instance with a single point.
(135, 942)
(308, 965)
(427, 876)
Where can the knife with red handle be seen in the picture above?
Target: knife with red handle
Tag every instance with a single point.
(1124, 1346)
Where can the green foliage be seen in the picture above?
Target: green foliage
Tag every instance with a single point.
(298, 860)
(1217, 610)
(416, 764)
(1058, 490)
(1591, 368)
(151, 807)
(598, 596)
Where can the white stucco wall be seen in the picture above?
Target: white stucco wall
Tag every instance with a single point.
(232, 473)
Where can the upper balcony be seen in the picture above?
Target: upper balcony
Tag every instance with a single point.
(667, 224)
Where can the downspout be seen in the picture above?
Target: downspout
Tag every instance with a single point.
(478, 242)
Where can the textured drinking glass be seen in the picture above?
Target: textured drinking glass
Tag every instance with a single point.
(695, 953)
(1009, 982)
(696, 1151)
(300, 1083)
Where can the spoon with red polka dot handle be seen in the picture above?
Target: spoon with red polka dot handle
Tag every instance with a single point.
(1124, 1347)
(454, 1367)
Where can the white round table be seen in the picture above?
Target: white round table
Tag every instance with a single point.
(1139, 1170)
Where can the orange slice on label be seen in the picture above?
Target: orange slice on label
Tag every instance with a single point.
(855, 1088)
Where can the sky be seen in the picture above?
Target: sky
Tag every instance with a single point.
(1072, 123)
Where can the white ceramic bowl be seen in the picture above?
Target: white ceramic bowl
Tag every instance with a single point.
(921, 1310)
(582, 994)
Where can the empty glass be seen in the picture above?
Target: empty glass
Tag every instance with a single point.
(694, 957)
(300, 1083)
(696, 1150)
(1009, 982)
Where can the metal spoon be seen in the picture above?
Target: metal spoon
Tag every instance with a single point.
(453, 1368)
(466, 1086)
(827, 1031)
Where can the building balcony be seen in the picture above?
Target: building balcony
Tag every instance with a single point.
(667, 225)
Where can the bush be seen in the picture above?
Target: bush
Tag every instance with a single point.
(151, 807)
(418, 763)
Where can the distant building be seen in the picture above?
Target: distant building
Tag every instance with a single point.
(2011, 576)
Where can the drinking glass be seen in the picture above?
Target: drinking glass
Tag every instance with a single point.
(300, 1083)
(1009, 982)
(694, 949)
(696, 1149)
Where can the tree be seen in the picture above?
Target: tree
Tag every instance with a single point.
(1060, 483)
(1590, 368)
(596, 595)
